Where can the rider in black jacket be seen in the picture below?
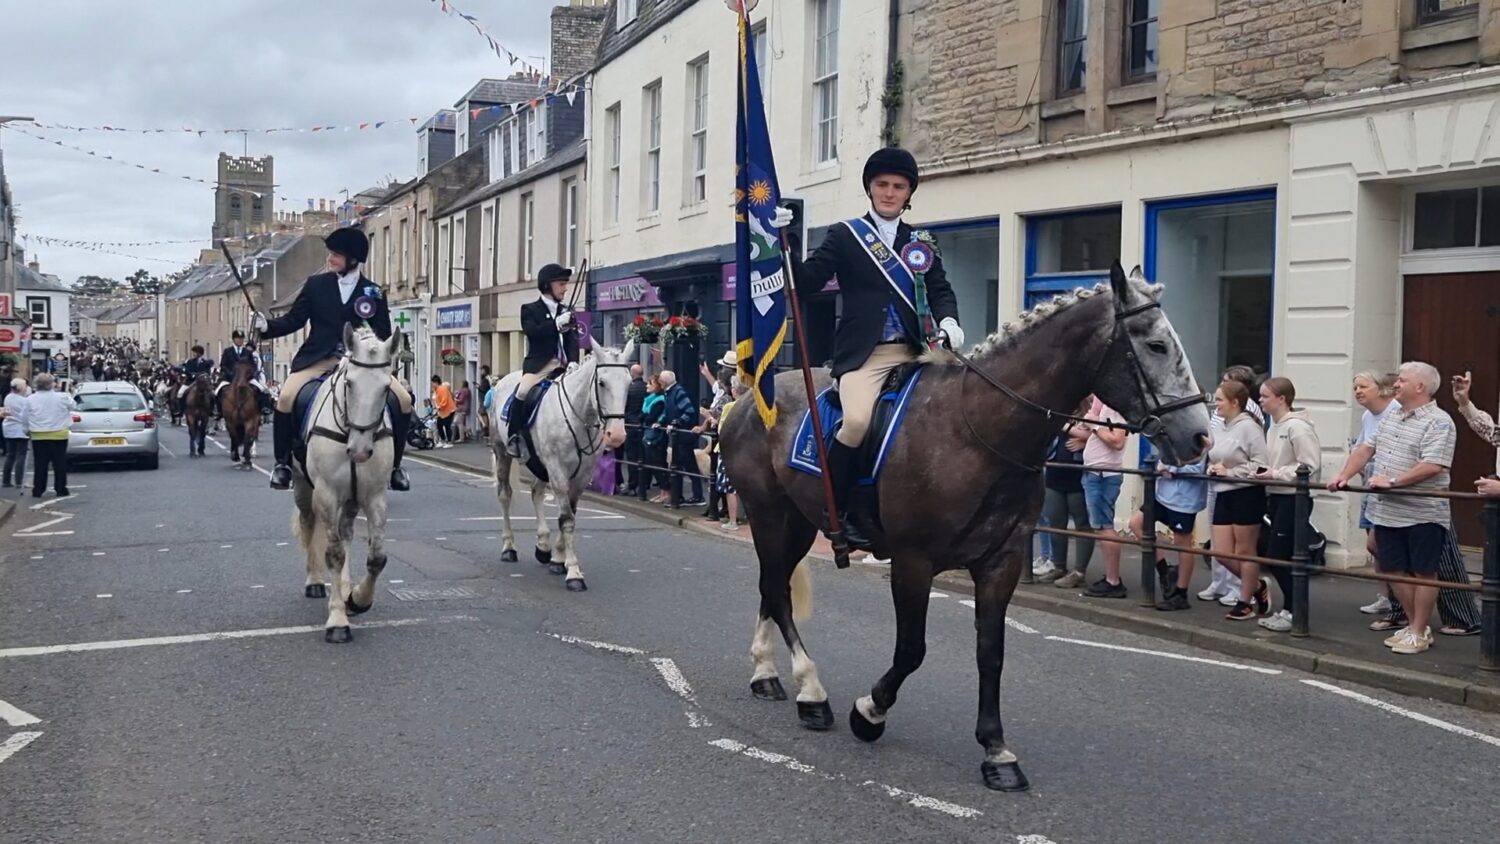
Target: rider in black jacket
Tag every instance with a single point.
(551, 340)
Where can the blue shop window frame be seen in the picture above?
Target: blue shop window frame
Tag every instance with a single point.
(1043, 286)
(1153, 217)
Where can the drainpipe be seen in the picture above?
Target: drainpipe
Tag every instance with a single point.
(893, 46)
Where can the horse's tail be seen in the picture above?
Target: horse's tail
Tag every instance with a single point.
(802, 592)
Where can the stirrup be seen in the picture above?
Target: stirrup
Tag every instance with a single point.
(399, 481)
(281, 477)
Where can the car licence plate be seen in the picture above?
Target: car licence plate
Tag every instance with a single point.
(107, 441)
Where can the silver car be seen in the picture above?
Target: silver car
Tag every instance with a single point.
(112, 422)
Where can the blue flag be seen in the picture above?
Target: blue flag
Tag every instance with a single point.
(760, 279)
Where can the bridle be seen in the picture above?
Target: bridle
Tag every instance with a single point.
(593, 431)
(1149, 425)
(346, 426)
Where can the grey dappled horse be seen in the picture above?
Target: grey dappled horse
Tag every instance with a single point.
(961, 486)
(580, 416)
(348, 461)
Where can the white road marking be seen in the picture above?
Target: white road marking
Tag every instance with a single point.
(449, 469)
(183, 591)
(634, 571)
(922, 801)
(119, 644)
(162, 550)
(13, 745)
(968, 603)
(169, 451)
(36, 556)
(1034, 839)
(280, 544)
(258, 586)
(1215, 662)
(1016, 625)
(673, 677)
(104, 595)
(99, 553)
(40, 504)
(589, 643)
(602, 517)
(393, 582)
(226, 546)
(1415, 716)
(161, 526)
(696, 719)
(936, 594)
(47, 533)
(60, 517)
(440, 538)
(17, 717)
(518, 575)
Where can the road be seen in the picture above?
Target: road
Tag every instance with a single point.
(479, 701)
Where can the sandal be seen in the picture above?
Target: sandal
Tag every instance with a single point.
(1382, 624)
(1456, 630)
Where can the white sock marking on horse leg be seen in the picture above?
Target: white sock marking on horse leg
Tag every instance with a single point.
(866, 707)
(763, 649)
(1004, 757)
(543, 531)
(809, 687)
(506, 494)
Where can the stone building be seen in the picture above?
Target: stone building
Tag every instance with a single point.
(245, 197)
(1309, 180)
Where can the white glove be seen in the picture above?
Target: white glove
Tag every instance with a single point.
(260, 321)
(564, 319)
(949, 329)
(781, 218)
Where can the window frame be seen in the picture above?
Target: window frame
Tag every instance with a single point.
(1424, 17)
(445, 259)
(697, 151)
(570, 221)
(625, 13)
(615, 126)
(46, 302)
(1034, 282)
(487, 246)
(1455, 259)
(763, 57)
(651, 149)
(825, 82)
(1127, 28)
(1062, 44)
(528, 235)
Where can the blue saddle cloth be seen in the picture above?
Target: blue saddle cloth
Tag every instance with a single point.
(537, 394)
(302, 405)
(889, 412)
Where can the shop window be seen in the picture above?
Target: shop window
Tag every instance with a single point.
(1461, 218)
(1435, 11)
(971, 258)
(1065, 251)
(1215, 255)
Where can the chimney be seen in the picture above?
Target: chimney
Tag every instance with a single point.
(34, 265)
(576, 30)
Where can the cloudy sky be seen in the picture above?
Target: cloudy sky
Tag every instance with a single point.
(218, 64)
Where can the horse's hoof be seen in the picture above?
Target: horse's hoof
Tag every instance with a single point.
(543, 557)
(337, 635)
(768, 688)
(863, 728)
(509, 556)
(1004, 776)
(557, 568)
(576, 584)
(355, 609)
(816, 716)
(314, 590)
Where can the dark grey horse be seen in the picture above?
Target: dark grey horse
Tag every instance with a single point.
(960, 488)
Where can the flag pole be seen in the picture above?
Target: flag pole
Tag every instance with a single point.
(835, 526)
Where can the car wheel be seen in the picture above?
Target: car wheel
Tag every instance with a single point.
(151, 462)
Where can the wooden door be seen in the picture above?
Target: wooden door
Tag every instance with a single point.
(1453, 322)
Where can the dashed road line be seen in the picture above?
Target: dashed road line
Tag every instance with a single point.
(1407, 713)
(589, 643)
(1165, 655)
(13, 745)
(184, 591)
(17, 717)
(104, 595)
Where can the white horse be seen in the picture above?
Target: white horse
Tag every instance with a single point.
(349, 455)
(582, 415)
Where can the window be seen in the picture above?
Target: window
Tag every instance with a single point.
(538, 139)
(612, 206)
(1456, 219)
(625, 13)
(1433, 11)
(528, 234)
(826, 81)
(1069, 250)
(257, 209)
(422, 245)
(444, 280)
(570, 222)
(234, 206)
(651, 172)
(405, 249)
(1140, 39)
(1072, 44)
(492, 150)
(39, 311)
(698, 141)
(763, 62)
(390, 248)
(460, 257)
(487, 247)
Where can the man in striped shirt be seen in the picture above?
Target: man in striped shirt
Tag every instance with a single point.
(1412, 450)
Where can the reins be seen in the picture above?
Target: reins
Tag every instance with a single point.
(595, 440)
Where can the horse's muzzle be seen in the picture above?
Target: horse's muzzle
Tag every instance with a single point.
(614, 435)
(360, 455)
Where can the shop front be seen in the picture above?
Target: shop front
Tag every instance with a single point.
(620, 302)
(455, 341)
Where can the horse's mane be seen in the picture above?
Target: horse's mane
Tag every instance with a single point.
(1027, 322)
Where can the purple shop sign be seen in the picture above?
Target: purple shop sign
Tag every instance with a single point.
(625, 294)
(729, 287)
(586, 329)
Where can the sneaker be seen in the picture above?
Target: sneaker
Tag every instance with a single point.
(1231, 599)
(1280, 622)
(1380, 625)
(1177, 599)
(1040, 566)
(1053, 575)
(1241, 612)
(1071, 580)
(1381, 604)
(1102, 588)
(1394, 639)
(1262, 597)
(1413, 643)
(1210, 594)
(729, 526)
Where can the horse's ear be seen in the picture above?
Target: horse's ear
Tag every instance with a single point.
(393, 344)
(349, 337)
(1117, 281)
(628, 353)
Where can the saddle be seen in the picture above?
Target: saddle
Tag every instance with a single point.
(885, 425)
(302, 416)
(534, 464)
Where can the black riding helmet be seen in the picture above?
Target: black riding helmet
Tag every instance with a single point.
(550, 273)
(238, 334)
(891, 161)
(349, 242)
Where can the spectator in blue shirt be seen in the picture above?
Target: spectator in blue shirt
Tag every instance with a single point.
(682, 418)
(1178, 503)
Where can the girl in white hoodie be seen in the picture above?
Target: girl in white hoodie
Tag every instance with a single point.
(1292, 443)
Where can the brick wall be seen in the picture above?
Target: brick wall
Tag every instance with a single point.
(575, 38)
(961, 62)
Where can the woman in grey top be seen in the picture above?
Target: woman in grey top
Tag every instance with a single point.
(1239, 451)
(13, 422)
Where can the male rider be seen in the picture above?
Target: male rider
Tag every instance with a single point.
(551, 340)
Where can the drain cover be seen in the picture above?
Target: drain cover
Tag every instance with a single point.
(432, 593)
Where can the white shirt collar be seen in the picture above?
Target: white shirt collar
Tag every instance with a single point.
(553, 306)
(886, 228)
(347, 282)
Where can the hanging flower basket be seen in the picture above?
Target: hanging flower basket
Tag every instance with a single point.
(683, 329)
(644, 330)
(452, 357)
(406, 356)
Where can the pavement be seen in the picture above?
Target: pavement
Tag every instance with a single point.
(162, 679)
(1340, 645)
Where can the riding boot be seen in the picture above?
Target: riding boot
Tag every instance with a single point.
(282, 436)
(844, 464)
(400, 423)
(514, 443)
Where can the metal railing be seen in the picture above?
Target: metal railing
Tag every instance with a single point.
(1488, 588)
(645, 469)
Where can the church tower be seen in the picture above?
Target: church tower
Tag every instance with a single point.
(245, 198)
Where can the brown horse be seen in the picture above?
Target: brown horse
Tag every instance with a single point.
(961, 486)
(198, 410)
(240, 407)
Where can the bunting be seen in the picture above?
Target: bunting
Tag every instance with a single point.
(500, 50)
